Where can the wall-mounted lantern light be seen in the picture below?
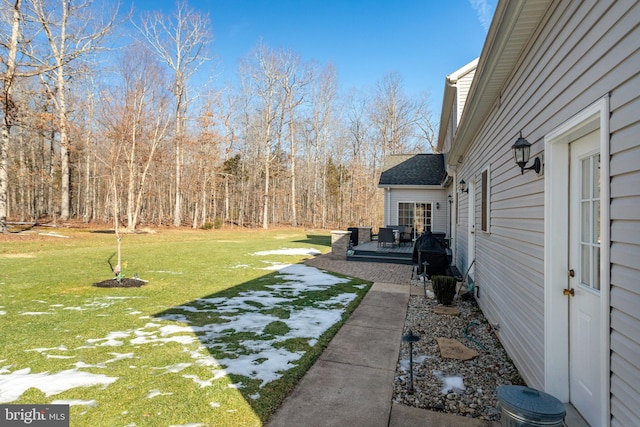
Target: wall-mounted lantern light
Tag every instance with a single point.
(521, 150)
(462, 186)
(437, 205)
(450, 199)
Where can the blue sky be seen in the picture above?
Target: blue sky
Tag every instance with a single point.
(423, 41)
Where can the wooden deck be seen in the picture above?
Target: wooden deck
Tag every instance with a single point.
(372, 246)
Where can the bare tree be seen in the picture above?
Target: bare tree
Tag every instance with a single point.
(8, 108)
(393, 115)
(137, 119)
(180, 40)
(71, 32)
(208, 157)
(263, 71)
(294, 77)
(323, 97)
(424, 123)
(226, 108)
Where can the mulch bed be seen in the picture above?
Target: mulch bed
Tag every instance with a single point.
(122, 283)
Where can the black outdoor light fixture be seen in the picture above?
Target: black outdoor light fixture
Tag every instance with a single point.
(437, 205)
(410, 337)
(462, 186)
(521, 150)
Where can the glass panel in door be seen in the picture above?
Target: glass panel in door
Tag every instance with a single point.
(590, 222)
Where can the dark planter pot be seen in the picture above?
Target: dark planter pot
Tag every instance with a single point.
(444, 287)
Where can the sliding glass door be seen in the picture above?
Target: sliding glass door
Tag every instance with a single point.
(416, 215)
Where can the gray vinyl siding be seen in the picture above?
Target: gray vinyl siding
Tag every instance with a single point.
(463, 86)
(451, 130)
(625, 249)
(439, 216)
(582, 52)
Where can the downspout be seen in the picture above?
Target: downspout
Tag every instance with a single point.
(387, 214)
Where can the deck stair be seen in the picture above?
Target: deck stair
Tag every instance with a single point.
(370, 252)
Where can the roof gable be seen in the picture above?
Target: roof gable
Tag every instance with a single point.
(412, 170)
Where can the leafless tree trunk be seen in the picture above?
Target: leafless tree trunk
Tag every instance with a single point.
(263, 72)
(293, 79)
(137, 121)
(225, 105)
(323, 94)
(69, 37)
(8, 110)
(180, 41)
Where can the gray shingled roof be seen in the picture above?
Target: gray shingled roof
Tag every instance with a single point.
(412, 169)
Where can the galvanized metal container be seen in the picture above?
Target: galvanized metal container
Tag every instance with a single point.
(527, 407)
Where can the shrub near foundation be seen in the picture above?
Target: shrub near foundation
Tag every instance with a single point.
(444, 288)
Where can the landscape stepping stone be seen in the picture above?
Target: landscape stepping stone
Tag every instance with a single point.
(453, 349)
(451, 311)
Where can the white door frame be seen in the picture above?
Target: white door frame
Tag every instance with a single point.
(556, 250)
(471, 224)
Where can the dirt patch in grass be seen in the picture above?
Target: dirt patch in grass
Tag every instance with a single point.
(122, 283)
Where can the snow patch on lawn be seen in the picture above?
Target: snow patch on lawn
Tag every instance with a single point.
(75, 402)
(252, 335)
(265, 357)
(15, 383)
(289, 251)
(155, 393)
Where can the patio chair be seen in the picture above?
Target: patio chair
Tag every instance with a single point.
(406, 235)
(386, 236)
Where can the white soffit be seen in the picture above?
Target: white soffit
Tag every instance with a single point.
(513, 25)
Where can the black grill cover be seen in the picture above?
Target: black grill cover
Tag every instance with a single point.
(428, 248)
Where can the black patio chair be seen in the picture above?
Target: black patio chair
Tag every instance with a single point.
(406, 235)
(386, 236)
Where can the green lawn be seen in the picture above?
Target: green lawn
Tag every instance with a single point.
(219, 336)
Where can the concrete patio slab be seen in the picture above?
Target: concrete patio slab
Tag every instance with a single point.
(390, 287)
(388, 318)
(384, 298)
(338, 394)
(403, 416)
(357, 345)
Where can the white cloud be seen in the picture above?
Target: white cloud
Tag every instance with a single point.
(484, 9)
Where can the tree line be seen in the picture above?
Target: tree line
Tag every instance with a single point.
(108, 116)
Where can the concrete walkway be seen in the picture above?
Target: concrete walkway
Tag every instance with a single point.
(351, 384)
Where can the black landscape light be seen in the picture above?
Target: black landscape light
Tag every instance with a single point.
(410, 338)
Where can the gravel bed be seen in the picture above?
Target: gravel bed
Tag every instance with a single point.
(466, 388)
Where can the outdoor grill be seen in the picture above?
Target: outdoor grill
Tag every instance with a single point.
(429, 248)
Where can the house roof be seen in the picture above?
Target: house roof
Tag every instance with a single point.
(513, 25)
(412, 170)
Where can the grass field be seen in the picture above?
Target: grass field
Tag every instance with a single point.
(227, 324)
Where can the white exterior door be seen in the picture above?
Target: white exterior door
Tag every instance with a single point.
(584, 278)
